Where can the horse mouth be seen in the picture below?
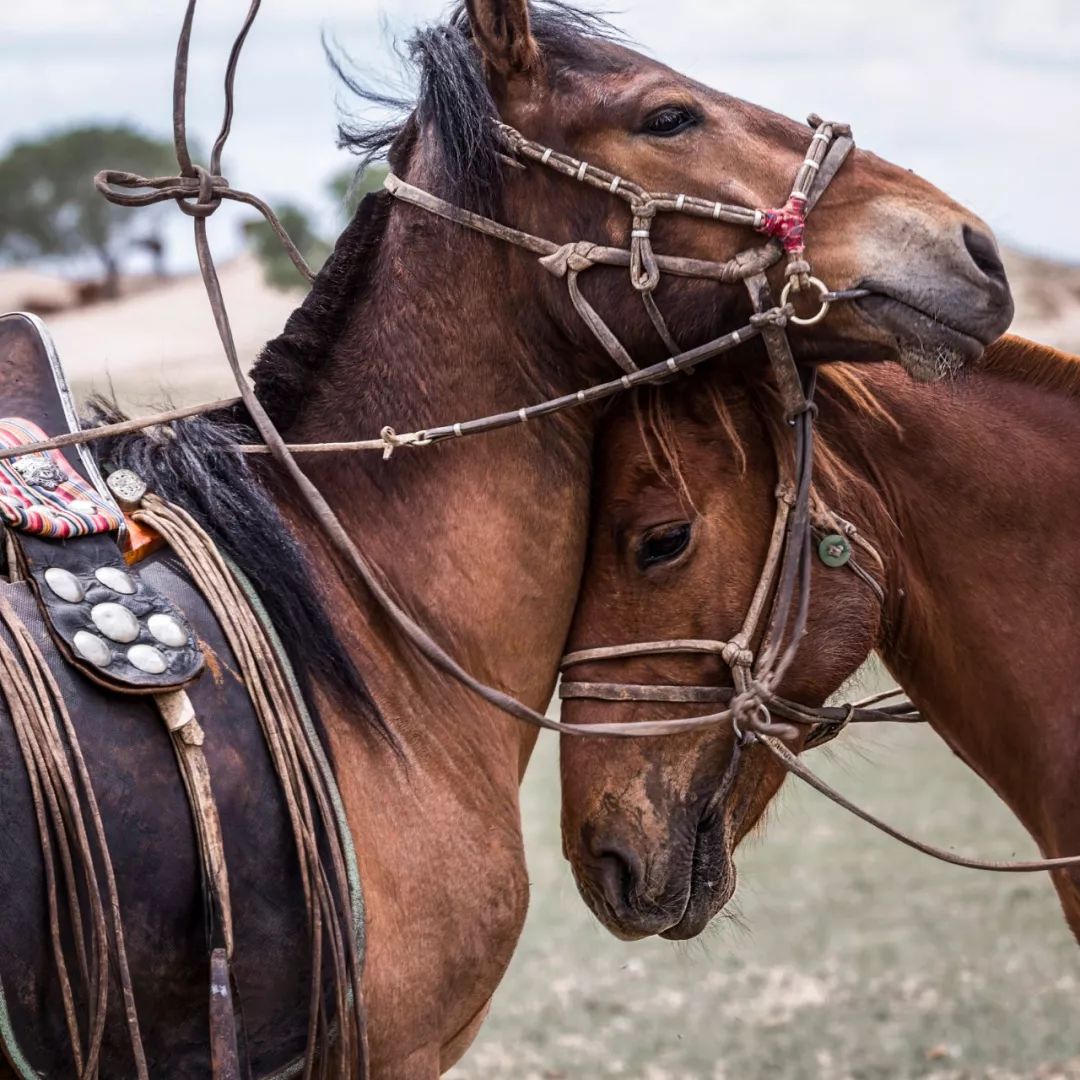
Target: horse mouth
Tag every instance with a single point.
(710, 882)
(934, 342)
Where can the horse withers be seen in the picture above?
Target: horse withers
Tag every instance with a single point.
(964, 505)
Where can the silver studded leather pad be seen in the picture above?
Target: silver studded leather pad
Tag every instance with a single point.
(112, 625)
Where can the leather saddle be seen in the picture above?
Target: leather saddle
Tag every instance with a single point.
(114, 635)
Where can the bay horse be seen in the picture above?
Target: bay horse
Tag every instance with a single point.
(415, 320)
(968, 496)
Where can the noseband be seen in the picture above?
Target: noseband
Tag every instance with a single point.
(785, 227)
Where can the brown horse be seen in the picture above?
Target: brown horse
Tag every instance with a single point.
(969, 497)
(416, 320)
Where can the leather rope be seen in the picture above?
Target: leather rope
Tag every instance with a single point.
(304, 787)
(62, 793)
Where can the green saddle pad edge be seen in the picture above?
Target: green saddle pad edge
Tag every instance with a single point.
(352, 867)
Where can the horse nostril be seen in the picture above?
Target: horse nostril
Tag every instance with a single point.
(984, 254)
(618, 875)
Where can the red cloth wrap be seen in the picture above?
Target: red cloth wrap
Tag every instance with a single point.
(788, 223)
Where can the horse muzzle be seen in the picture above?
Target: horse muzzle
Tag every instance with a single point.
(672, 893)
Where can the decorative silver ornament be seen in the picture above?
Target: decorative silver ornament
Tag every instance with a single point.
(127, 487)
(115, 622)
(65, 584)
(167, 630)
(39, 471)
(146, 658)
(91, 647)
(112, 577)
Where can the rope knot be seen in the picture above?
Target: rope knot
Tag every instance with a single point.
(785, 493)
(777, 316)
(644, 271)
(512, 139)
(198, 196)
(735, 654)
(644, 210)
(573, 257)
(392, 440)
(206, 199)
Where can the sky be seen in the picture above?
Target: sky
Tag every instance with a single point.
(982, 97)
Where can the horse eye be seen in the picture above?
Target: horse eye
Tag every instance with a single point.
(663, 544)
(669, 120)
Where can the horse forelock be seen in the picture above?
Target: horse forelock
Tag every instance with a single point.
(661, 415)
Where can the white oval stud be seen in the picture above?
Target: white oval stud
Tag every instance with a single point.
(167, 630)
(91, 647)
(115, 622)
(65, 584)
(82, 506)
(146, 658)
(114, 578)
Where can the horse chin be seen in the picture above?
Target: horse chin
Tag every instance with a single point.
(710, 886)
(927, 346)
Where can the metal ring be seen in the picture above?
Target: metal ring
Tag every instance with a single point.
(823, 292)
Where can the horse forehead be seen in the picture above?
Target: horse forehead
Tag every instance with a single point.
(622, 76)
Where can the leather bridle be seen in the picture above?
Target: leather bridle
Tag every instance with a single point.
(760, 654)
(199, 191)
(829, 147)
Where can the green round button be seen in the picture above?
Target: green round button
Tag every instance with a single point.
(834, 550)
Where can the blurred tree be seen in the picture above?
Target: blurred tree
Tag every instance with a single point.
(278, 268)
(348, 187)
(50, 208)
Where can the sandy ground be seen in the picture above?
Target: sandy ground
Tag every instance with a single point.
(849, 958)
(159, 345)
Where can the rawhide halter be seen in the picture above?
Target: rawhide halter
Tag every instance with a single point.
(753, 699)
(829, 147)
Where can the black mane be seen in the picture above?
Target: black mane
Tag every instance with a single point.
(195, 464)
(452, 99)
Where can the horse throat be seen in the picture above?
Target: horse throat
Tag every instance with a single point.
(482, 540)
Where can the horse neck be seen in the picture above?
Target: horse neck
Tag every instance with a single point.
(482, 540)
(984, 584)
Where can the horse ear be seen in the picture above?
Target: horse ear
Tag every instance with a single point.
(500, 29)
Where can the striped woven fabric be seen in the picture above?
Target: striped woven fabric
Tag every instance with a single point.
(42, 494)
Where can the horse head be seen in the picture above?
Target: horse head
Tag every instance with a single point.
(687, 495)
(562, 84)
